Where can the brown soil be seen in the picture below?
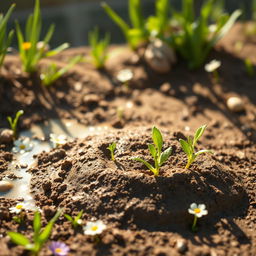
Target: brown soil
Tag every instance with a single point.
(145, 215)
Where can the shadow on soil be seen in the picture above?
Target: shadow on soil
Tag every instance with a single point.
(234, 81)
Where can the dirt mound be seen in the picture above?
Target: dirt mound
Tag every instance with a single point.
(80, 175)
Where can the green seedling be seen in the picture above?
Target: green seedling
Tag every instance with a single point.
(156, 152)
(141, 29)
(5, 38)
(249, 67)
(112, 148)
(99, 48)
(14, 122)
(194, 37)
(52, 73)
(40, 235)
(76, 221)
(29, 51)
(189, 146)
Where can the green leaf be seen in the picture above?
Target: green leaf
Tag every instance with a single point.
(165, 155)
(157, 138)
(37, 224)
(43, 237)
(57, 50)
(225, 28)
(152, 150)
(185, 146)
(117, 19)
(18, 238)
(135, 14)
(198, 134)
(78, 217)
(203, 151)
(68, 217)
(149, 166)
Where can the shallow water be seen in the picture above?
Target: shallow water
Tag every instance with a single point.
(71, 129)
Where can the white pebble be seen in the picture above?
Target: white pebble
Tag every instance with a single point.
(235, 104)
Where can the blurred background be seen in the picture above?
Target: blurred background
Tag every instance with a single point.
(75, 18)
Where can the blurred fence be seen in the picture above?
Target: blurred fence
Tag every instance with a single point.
(75, 18)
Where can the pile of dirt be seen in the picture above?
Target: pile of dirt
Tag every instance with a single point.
(81, 176)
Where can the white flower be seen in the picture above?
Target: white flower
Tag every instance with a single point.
(22, 146)
(58, 139)
(94, 228)
(198, 210)
(213, 65)
(18, 208)
(124, 75)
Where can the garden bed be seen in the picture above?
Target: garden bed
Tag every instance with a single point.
(145, 215)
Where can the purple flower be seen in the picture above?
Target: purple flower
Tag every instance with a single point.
(59, 248)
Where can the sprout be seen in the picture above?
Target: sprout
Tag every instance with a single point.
(59, 248)
(52, 73)
(75, 221)
(94, 228)
(40, 236)
(198, 211)
(189, 146)
(112, 148)
(99, 48)
(22, 145)
(58, 140)
(155, 150)
(29, 51)
(14, 122)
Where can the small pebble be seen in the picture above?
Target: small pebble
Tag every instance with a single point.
(165, 88)
(181, 246)
(5, 186)
(235, 104)
(159, 56)
(6, 136)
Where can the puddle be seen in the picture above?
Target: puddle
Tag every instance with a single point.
(71, 129)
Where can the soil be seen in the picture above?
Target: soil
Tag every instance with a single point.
(145, 215)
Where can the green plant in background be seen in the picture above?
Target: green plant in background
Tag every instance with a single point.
(5, 39)
(158, 24)
(249, 67)
(189, 146)
(136, 34)
(76, 221)
(98, 48)
(112, 148)
(194, 37)
(51, 73)
(14, 122)
(40, 235)
(29, 51)
(141, 29)
(156, 152)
